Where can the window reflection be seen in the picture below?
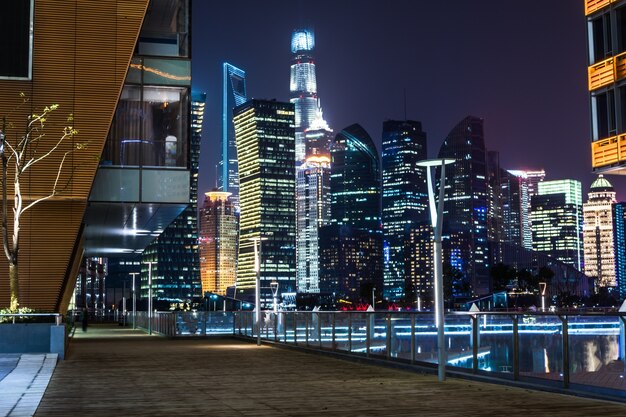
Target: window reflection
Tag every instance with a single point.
(165, 31)
(149, 128)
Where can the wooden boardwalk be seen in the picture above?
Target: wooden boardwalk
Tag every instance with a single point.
(117, 372)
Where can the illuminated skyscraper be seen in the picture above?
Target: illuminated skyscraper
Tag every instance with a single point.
(351, 247)
(313, 204)
(619, 237)
(606, 29)
(598, 233)
(528, 186)
(266, 153)
(466, 202)
(404, 197)
(219, 223)
(303, 85)
(233, 94)
(556, 218)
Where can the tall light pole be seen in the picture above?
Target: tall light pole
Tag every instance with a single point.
(436, 220)
(150, 295)
(257, 287)
(134, 274)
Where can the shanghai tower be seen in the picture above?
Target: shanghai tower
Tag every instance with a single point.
(303, 86)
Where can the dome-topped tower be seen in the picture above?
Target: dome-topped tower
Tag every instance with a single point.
(601, 184)
(602, 190)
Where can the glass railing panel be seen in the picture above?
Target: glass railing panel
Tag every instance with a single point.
(458, 332)
(425, 338)
(378, 333)
(342, 329)
(541, 347)
(495, 344)
(358, 332)
(400, 336)
(594, 351)
(326, 330)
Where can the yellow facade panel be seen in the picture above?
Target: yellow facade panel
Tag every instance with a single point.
(592, 6)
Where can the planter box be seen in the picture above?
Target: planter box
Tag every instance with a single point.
(32, 338)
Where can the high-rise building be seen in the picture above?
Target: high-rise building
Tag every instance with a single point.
(418, 264)
(606, 26)
(404, 197)
(351, 247)
(313, 212)
(466, 202)
(598, 233)
(556, 217)
(528, 186)
(619, 237)
(266, 154)
(303, 86)
(219, 223)
(318, 137)
(233, 94)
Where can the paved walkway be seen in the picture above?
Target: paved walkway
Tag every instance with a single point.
(114, 372)
(22, 388)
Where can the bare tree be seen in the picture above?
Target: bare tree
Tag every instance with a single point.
(22, 153)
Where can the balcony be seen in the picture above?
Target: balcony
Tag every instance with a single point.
(608, 151)
(607, 72)
(592, 6)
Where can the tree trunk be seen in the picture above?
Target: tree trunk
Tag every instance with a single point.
(14, 284)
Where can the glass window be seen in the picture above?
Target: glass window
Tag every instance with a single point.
(149, 128)
(16, 39)
(603, 113)
(600, 38)
(165, 30)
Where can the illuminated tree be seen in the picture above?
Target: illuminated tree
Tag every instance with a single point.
(19, 154)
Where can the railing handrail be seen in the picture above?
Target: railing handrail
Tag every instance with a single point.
(30, 314)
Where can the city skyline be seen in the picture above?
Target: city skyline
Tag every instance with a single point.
(520, 103)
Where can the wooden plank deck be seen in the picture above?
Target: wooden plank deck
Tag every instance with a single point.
(108, 373)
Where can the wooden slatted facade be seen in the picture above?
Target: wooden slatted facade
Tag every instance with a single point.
(82, 50)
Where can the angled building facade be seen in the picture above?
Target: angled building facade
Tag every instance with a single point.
(233, 94)
(404, 198)
(266, 153)
(41, 35)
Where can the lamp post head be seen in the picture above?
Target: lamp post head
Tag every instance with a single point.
(435, 162)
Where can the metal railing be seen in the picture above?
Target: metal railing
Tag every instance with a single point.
(15, 318)
(584, 352)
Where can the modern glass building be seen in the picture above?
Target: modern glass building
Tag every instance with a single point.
(606, 41)
(219, 234)
(404, 198)
(465, 243)
(303, 85)
(233, 94)
(266, 153)
(556, 218)
(598, 233)
(351, 247)
(619, 237)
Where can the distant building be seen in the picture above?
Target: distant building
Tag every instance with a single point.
(556, 216)
(418, 263)
(598, 233)
(233, 94)
(266, 154)
(351, 247)
(619, 237)
(465, 243)
(318, 137)
(219, 222)
(313, 213)
(404, 197)
(303, 86)
(606, 26)
(528, 185)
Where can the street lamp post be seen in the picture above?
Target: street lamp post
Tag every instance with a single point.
(150, 295)
(257, 287)
(133, 274)
(436, 219)
(274, 288)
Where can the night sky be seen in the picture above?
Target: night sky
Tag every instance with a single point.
(521, 66)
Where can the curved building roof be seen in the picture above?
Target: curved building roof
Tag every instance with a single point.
(601, 184)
